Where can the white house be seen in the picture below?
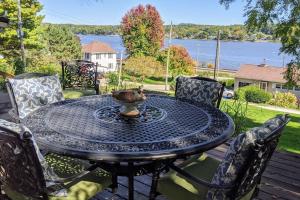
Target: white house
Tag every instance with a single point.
(101, 53)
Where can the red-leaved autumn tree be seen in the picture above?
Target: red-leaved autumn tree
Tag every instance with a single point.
(142, 31)
(181, 62)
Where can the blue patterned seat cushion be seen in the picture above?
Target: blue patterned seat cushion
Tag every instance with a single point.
(198, 90)
(51, 178)
(238, 152)
(31, 94)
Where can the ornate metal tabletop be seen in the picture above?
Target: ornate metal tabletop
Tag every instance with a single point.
(92, 128)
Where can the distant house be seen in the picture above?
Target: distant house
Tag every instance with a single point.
(266, 77)
(101, 53)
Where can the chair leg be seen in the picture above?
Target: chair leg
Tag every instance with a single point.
(256, 190)
(3, 196)
(114, 185)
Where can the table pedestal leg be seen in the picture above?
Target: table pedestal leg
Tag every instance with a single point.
(155, 177)
(130, 182)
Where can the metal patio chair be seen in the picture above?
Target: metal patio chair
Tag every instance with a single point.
(31, 91)
(26, 174)
(80, 74)
(237, 176)
(199, 89)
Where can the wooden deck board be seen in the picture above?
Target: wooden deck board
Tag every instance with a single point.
(281, 180)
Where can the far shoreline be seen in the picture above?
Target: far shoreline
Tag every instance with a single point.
(166, 38)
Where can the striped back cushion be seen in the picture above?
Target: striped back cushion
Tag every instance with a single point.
(200, 91)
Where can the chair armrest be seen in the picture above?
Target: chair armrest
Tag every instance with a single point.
(227, 143)
(199, 181)
(65, 182)
(70, 180)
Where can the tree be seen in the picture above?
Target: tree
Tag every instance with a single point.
(285, 15)
(180, 61)
(144, 66)
(225, 35)
(142, 31)
(9, 41)
(62, 43)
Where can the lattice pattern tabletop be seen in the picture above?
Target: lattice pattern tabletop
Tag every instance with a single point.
(91, 127)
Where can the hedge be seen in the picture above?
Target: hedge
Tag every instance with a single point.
(253, 94)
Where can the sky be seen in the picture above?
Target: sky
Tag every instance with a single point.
(110, 12)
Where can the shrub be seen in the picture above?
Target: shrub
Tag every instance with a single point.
(2, 84)
(237, 111)
(144, 66)
(252, 94)
(229, 83)
(173, 85)
(5, 67)
(257, 96)
(46, 69)
(112, 78)
(240, 93)
(285, 99)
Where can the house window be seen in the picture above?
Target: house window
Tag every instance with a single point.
(263, 85)
(110, 65)
(104, 55)
(86, 56)
(278, 86)
(242, 84)
(110, 55)
(98, 56)
(297, 88)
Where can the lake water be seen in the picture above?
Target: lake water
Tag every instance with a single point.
(232, 53)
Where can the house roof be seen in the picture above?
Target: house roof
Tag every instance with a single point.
(261, 73)
(97, 47)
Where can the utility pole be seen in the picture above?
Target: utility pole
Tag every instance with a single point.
(168, 58)
(217, 59)
(120, 70)
(20, 34)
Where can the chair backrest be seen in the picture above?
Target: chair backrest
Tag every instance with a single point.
(29, 92)
(247, 158)
(267, 138)
(199, 89)
(20, 168)
(79, 74)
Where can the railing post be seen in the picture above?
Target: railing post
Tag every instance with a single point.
(96, 83)
(63, 74)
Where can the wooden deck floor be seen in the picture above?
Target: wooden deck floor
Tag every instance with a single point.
(281, 180)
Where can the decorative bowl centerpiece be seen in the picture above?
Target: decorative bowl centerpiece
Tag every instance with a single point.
(129, 100)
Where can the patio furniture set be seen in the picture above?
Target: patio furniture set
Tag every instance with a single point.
(73, 149)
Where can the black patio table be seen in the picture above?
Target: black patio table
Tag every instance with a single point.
(91, 128)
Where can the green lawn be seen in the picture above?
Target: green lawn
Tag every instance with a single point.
(150, 80)
(73, 94)
(290, 140)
